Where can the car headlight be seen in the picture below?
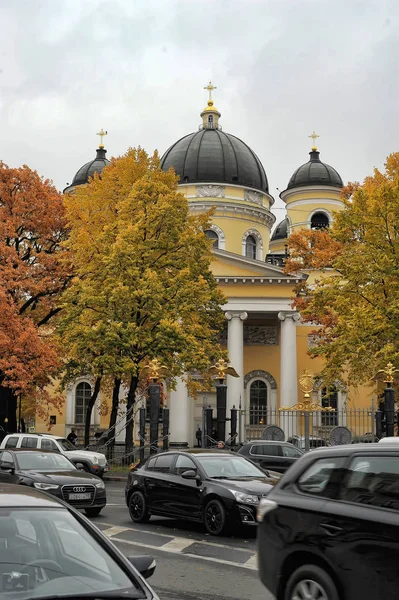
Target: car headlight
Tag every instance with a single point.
(46, 486)
(95, 460)
(100, 485)
(245, 498)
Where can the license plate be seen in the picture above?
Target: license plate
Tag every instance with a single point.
(79, 496)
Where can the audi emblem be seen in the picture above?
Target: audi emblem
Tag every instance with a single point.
(79, 489)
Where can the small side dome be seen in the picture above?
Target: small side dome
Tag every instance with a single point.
(281, 231)
(315, 172)
(94, 166)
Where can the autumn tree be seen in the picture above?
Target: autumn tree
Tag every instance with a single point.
(355, 300)
(143, 287)
(32, 277)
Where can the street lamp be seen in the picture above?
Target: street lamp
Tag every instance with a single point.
(219, 370)
(389, 397)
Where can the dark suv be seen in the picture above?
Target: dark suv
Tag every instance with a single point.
(271, 455)
(330, 528)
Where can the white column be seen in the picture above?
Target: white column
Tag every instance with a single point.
(179, 415)
(288, 365)
(235, 348)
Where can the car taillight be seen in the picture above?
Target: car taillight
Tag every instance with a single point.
(264, 507)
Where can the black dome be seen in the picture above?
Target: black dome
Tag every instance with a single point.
(88, 170)
(315, 172)
(281, 231)
(214, 156)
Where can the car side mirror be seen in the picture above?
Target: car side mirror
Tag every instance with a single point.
(189, 474)
(7, 467)
(80, 466)
(144, 564)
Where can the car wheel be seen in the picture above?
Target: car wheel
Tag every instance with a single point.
(93, 512)
(310, 582)
(138, 508)
(214, 517)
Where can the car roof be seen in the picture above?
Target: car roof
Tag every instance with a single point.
(348, 449)
(35, 450)
(51, 435)
(268, 442)
(200, 451)
(20, 496)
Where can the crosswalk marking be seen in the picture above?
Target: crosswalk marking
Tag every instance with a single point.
(114, 530)
(252, 563)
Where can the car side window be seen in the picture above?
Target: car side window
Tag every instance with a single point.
(28, 442)
(6, 460)
(323, 477)
(49, 445)
(164, 462)
(265, 450)
(12, 442)
(151, 464)
(290, 452)
(184, 463)
(372, 480)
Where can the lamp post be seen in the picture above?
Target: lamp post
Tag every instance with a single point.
(306, 407)
(220, 370)
(389, 397)
(156, 370)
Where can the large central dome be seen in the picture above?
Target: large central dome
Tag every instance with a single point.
(210, 155)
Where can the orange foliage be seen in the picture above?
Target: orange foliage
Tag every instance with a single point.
(32, 275)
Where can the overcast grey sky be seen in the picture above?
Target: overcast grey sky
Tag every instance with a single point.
(137, 69)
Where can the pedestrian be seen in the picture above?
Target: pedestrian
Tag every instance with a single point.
(72, 437)
(198, 435)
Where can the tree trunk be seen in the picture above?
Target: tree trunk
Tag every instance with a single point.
(131, 397)
(89, 409)
(113, 416)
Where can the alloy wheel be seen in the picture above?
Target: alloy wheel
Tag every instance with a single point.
(136, 505)
(307, 589)
(214, 518)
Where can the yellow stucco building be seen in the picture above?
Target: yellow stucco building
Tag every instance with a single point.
(266, 340)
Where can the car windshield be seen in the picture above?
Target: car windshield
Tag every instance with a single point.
(48, 553)
(66, 444)
(229, 467)
(41, 461)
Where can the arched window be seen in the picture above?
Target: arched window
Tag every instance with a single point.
(258, 403)
(329, 398)
(319, 221)
(250, 247)
(210, 121)
(82, 397)
(212, 235)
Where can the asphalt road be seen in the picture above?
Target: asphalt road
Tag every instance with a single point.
(191, 565)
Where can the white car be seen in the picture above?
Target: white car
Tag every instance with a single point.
(389, 440)
(93, 462)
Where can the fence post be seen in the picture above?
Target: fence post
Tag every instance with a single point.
(165, 429)
(154, 391)
(221, 401)
(233, 423)
(208, 425)
(142, 433)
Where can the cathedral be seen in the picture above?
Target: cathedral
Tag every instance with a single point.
(266, 340)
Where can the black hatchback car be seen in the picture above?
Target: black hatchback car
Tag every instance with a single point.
(212, 487)
(273, 455)
(49, 550)
(329, 530)
(54, 473)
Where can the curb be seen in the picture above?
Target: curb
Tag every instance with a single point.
(114, 478)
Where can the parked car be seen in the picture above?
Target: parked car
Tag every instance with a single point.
(93, 462)
(54, 473)
(268, 454)
(329, 529)
(314, 442)
(215, 488)
(50, 550)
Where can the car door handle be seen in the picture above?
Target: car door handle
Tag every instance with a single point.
(331, 529)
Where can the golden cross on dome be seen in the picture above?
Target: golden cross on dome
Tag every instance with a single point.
(210, 88)
(314, 137)
(102, 133)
